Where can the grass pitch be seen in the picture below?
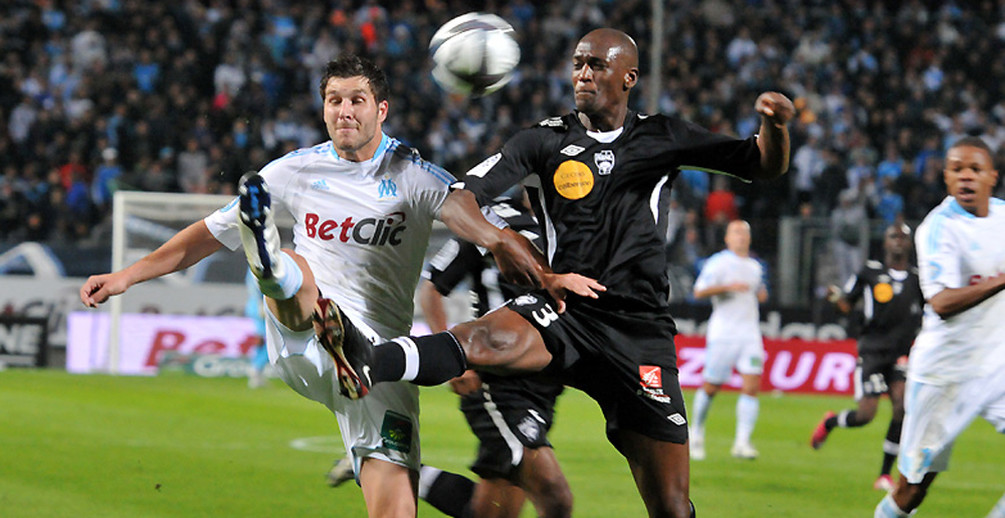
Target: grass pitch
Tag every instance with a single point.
(177, 446)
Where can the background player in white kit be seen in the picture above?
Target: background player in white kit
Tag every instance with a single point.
(733, 280)
(364, 205)
(957, 364)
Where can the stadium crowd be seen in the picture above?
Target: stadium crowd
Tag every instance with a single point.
(100, 95)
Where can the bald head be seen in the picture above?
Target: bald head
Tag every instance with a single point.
(738, 237)
(620, 47)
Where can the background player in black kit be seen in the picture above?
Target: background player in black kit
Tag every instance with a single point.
(892, 308)
(598, 170)
(511, 416)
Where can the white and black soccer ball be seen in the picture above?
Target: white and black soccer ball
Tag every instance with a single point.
(474, 54)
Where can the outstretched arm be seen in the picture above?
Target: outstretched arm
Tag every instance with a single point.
(719, 289)
(773, 138)
(836, 296)
(518, 260)
(186, 248)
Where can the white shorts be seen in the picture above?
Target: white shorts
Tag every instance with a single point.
(937, 414)
(721, 356)
(383, 425)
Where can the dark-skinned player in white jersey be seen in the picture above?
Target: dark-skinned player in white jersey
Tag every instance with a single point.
(608, 330)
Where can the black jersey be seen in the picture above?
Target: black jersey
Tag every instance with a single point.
(598, 202)
(891, 306)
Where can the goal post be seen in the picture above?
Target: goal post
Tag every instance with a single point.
(143, 221)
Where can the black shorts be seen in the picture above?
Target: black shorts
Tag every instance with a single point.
(875, 372)
(508, 415)
(625, 360)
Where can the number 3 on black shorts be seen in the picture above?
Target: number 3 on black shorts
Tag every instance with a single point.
(545, 315)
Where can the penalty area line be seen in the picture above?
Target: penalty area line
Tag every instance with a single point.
(319, 444)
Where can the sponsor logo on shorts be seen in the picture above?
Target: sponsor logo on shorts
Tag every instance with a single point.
(396, 432)
(529, 428)
(677, 419)
(651, 377)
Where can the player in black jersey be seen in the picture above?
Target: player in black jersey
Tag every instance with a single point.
(892, 308)
(511, 416)
(603, 323)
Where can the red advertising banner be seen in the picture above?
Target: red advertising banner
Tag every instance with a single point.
(792, 365)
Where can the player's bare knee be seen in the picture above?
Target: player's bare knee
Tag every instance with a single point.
(482, 346)
(554, 498)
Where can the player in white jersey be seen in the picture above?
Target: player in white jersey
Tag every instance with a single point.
(733, 280)
(363, 205)
(956, 369)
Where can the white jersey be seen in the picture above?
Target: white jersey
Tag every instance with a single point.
(735, 315)
(363, 227)
(956, 249)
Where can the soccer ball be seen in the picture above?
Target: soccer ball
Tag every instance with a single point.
(474, 54)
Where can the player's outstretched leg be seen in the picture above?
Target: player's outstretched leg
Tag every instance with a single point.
(351, 351)
(278, 275)
(341, 472)
(821, 432)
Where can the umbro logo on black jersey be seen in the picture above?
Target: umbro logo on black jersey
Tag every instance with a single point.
(572, 150)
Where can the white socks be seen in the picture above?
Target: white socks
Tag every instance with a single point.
(701, 405)
(747, 408)
(285, 281)
(887, 508)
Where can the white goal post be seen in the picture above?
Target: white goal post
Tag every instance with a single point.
(141, 222)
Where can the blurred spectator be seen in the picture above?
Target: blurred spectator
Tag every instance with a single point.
(892, 164)
(807, 165)
(106, 179)
(831, 182)
(890, 207)
(193, 163)
(720, 209)
(849, 227)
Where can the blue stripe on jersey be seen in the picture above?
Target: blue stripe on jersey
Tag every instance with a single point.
(323, 147)
(385, 143)
(956, 208)
(440, 173)
(935, 234)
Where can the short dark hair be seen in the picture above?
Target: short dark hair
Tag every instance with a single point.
(351, 65)
(976, 142)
